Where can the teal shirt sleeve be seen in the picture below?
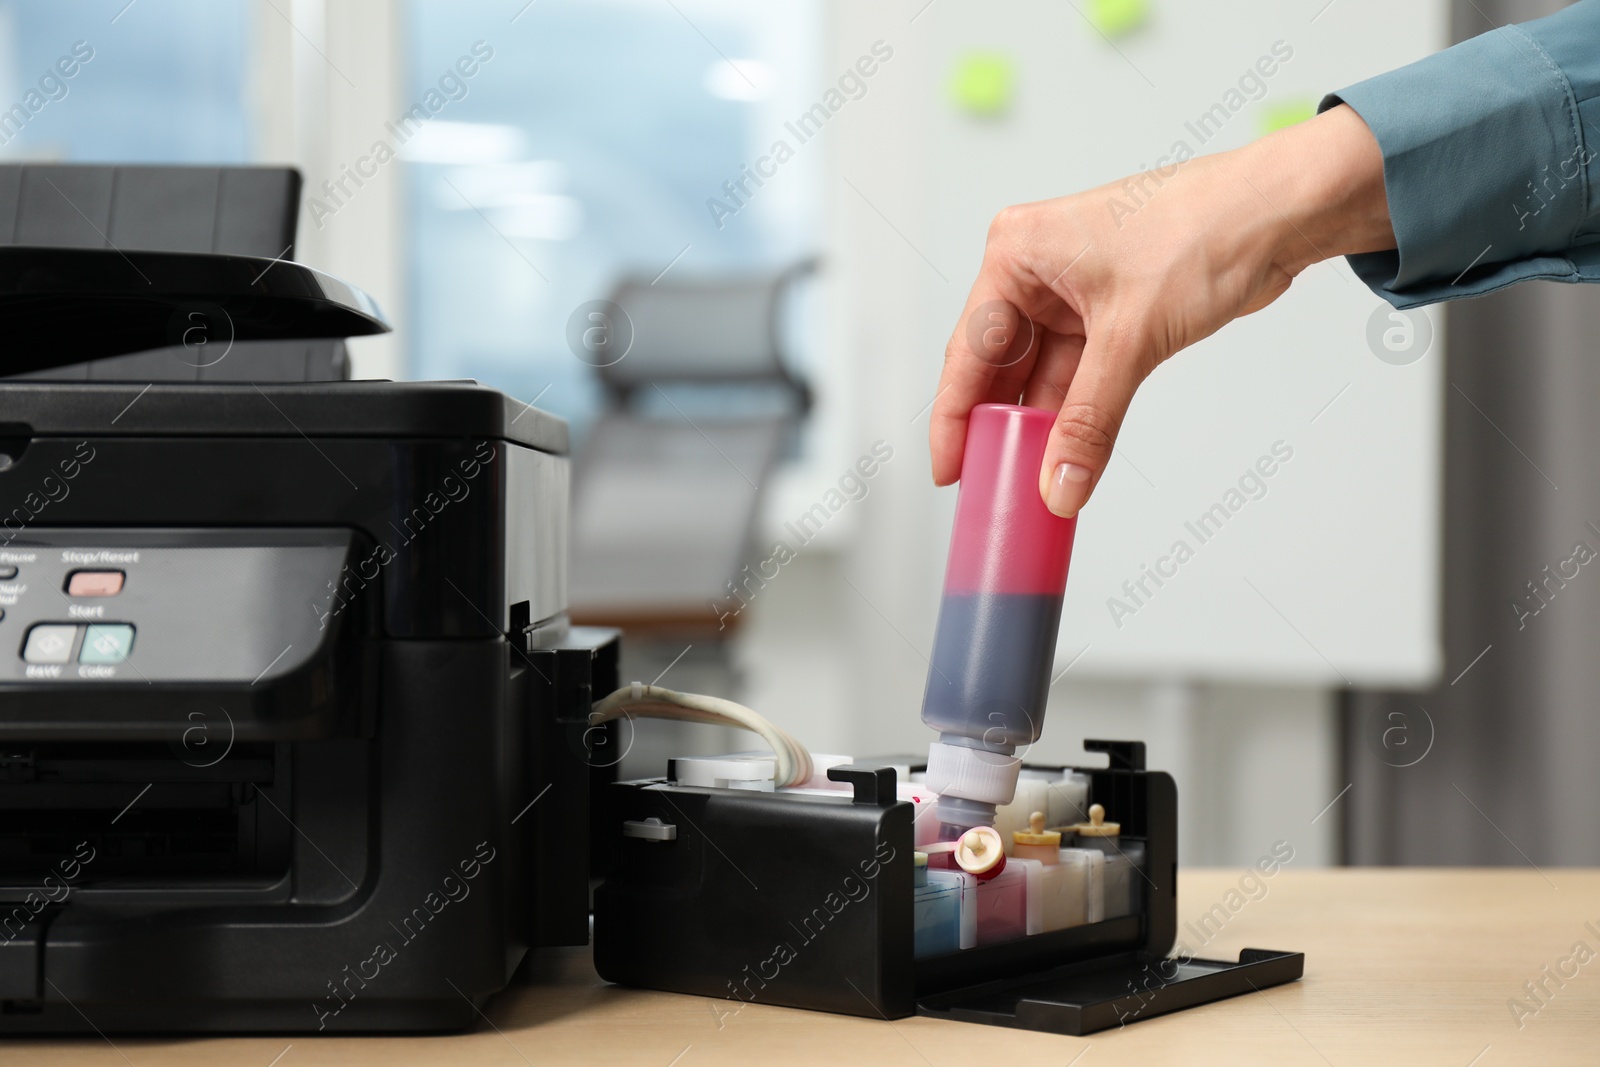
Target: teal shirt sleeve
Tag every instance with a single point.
(1489, 161)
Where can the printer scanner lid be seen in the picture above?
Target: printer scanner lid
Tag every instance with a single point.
(60, 306)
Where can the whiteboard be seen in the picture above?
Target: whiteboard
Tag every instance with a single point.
(1327, 574)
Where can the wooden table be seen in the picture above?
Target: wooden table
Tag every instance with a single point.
(1410, 967)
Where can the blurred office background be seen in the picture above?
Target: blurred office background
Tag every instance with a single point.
(1339, 666)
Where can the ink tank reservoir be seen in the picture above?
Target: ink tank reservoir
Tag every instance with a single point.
(1124, 861)
(936, 911)
(996, 635)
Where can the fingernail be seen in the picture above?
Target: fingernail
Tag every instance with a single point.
(1068, 489)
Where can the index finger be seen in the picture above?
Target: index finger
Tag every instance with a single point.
(988, 359)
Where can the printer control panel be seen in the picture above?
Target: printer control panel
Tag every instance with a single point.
(217, 606)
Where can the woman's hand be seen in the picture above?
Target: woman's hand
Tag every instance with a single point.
(1080, 298)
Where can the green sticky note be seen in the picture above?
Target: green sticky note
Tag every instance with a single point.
(1285, 113)
(983, 83)
(1116, 17)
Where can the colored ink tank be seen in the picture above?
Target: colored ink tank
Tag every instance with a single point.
(996, 636)
(1000, 904)
(936, 912)
(956, 883)
(1124, 861)
(1091, 866)
(1057, 892)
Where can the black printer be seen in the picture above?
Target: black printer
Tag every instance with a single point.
(292, 724)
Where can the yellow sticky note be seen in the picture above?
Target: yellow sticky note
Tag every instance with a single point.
(1116, 17)
(1285, 113)
(982, 83)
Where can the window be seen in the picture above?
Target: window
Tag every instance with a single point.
(156, 81)
(584, 148)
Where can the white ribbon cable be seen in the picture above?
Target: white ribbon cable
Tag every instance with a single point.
(651, 701)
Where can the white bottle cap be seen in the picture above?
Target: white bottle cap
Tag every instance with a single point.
(972, 773)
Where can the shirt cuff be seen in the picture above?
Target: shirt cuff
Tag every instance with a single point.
(1485, 166)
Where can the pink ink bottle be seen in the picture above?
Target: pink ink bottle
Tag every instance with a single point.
(996, 636)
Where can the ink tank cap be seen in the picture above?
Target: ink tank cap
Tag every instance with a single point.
(972, 773)
(1036, 834)
(979, 853)
(1097, 825)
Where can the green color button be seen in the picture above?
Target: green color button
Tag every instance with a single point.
(106, 643)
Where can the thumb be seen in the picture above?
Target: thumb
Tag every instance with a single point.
(1080, 443)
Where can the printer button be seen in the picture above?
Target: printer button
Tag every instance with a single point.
(106, 643)
(7, 570)
(94, 583)
(50, 644)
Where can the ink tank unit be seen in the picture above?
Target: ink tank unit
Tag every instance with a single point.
(285, 666)
(801, 898)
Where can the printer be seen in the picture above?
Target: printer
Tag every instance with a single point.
(293, 727)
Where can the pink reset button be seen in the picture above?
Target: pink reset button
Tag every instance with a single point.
(94, 583)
